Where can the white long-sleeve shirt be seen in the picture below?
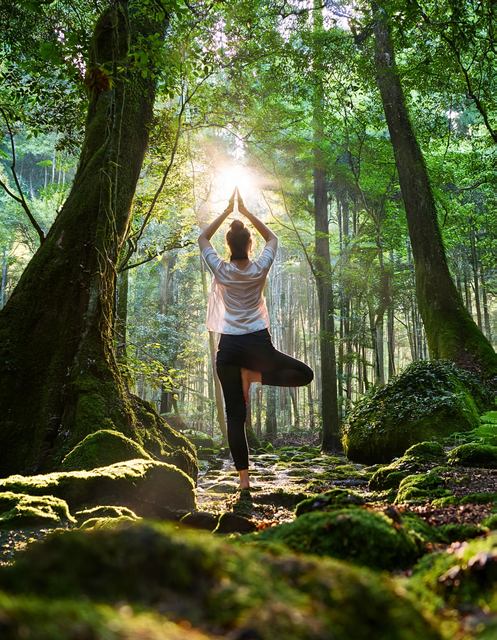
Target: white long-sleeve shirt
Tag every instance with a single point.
(236, 302)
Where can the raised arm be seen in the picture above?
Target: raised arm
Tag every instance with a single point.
(265, 231)
(208, 232)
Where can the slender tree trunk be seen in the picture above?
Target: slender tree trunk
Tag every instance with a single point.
(450, 330)
(329, 401)
(59, 379)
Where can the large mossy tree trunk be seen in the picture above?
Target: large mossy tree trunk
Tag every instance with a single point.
(59, 380)
(451, 332)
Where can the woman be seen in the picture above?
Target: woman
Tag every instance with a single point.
(237, 310)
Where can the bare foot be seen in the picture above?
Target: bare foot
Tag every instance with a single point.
(249, 376)
(244, 479)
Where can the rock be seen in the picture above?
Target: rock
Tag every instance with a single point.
(18, 510)
(418, 458)
(462, 577)
(421, 487)
(201, 520)
(147, 487)
(280, 498)
(228, 589)
(474, 455)
(199, 438)
(102, 448)
(355, 534)
(39, 619)
(427, 401)
(332, 499)
(103, 511)
(234, 523)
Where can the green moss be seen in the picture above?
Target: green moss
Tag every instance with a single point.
(474, 455)
(463, 576)
(421, 488)
(198, 438)
(99, 523)
(148, 487)
(20, 510)
(103, 511)
(33, 617)
(221, 587)
(332, 499)
(428, 400)
(358, 535)
(101, 448)
(427, 450)
(490, 521)
(454, 532)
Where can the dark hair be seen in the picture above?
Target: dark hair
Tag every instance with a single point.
(238, 239)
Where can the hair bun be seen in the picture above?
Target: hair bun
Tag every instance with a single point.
(237, 225)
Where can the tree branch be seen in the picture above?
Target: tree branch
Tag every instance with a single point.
(20, 199)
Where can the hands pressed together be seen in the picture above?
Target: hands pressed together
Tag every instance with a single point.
(231, 204)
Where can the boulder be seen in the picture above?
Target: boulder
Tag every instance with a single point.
(102, 448)
(427, 401)
(18, 510)
(364, 537)
(148, 487)
(474, 454)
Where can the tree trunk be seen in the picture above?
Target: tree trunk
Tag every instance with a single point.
(330, 439)
(59, 380)
(450, 330)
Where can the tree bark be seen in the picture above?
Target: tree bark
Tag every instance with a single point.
(450, 330)
(59, 379)
(330, 439)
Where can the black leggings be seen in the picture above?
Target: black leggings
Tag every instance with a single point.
(252, 351)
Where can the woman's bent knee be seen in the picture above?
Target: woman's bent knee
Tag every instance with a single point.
(308, 375)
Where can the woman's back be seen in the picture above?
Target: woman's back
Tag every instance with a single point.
(236, 303)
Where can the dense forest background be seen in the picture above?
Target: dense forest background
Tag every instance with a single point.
(247, 93)
(364, 134)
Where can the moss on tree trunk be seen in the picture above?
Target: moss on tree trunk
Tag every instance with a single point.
(450, 330)
(59, 379)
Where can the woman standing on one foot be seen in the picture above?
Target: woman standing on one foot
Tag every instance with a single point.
(237, 310)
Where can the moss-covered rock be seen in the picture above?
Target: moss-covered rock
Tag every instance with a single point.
(332, 499)
(463, 576)
(35, 618)
(199, 438)
(19, 510)
(220, 587)
(355, 534)
(421, 487)
(428, 400)
(102, 448)
(417, 459)
(148, 487)
(474, 455)
(103, 511)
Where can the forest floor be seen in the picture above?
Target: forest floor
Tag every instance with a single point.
(280, 480)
